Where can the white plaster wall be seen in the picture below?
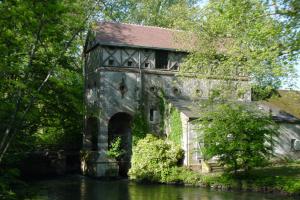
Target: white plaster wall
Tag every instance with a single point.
(194, 148)
(282, 147)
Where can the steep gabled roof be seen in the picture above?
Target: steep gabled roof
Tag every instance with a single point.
(119, 34)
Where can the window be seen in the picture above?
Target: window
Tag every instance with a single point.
(129, 63)
(175, 67)
(161, 59)
(293, 144)
(152, 89)
(110, 62)
(147, 64)
(151, 115)
(176, 91)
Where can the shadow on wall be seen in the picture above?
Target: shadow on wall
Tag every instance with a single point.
(91, 135)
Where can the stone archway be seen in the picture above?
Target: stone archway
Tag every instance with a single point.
(119, 125)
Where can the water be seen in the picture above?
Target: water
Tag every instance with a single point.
(83, 188)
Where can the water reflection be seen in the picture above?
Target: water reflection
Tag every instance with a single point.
(82, 188)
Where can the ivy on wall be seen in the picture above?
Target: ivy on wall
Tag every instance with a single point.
(176, 127)
(140, 127)
(162, 109)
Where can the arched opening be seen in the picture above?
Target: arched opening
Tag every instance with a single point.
(119, 125)
(91, 133)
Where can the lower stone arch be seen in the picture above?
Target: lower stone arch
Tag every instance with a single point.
(119, 125)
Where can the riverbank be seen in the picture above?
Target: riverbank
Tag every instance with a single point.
(280, 178)
(78, 187)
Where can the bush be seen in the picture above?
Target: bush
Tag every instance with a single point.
(115, 150)
(240, 135)
(153, 159)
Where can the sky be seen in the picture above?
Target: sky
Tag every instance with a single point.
(297, 80)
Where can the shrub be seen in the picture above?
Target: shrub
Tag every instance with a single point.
(240, 135)
(153, 158)
(115, 150)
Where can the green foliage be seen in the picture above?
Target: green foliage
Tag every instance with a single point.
(283, 178)
(241, 38)
(40, 67)
(176, 127)
(8, 178)
(262, 93)
(152, 158)
(239, 135)
(115, 150)
(162, 109)
(139, 127)
(164, 13)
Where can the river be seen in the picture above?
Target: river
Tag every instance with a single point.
(83, 188)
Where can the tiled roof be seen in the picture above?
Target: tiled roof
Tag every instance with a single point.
(119, 34)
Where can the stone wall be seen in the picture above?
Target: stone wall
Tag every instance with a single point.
(119, 80)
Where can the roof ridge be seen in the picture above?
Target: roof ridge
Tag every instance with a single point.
(140, 25)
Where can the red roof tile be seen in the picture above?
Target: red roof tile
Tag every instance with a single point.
(112, 33)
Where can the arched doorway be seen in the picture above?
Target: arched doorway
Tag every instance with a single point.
(119, 125)
(91, 133)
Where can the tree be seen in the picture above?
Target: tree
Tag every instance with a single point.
(37, 47)
(241, 39)
(163, 13)
(241, 136)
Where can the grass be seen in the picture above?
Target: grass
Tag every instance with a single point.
(283, 178)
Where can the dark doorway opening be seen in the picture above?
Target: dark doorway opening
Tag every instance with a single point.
(161, 59)
(120, 126)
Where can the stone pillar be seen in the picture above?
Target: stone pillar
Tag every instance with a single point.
(97, 163)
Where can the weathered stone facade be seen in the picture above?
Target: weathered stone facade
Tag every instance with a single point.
(123, 79)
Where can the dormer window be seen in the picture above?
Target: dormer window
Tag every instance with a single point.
(111, 62)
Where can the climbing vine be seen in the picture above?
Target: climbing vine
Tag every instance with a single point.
(162, 109)
(139, 127)
(176, 127)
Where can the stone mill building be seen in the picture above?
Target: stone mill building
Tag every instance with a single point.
(127, 68)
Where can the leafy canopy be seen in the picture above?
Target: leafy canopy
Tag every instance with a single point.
(40, 71)
(239, 135)
(240, 38)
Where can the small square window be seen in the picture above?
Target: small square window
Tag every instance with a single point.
(129, 63)
(175, 67)
(147, 64)
(110, 62)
